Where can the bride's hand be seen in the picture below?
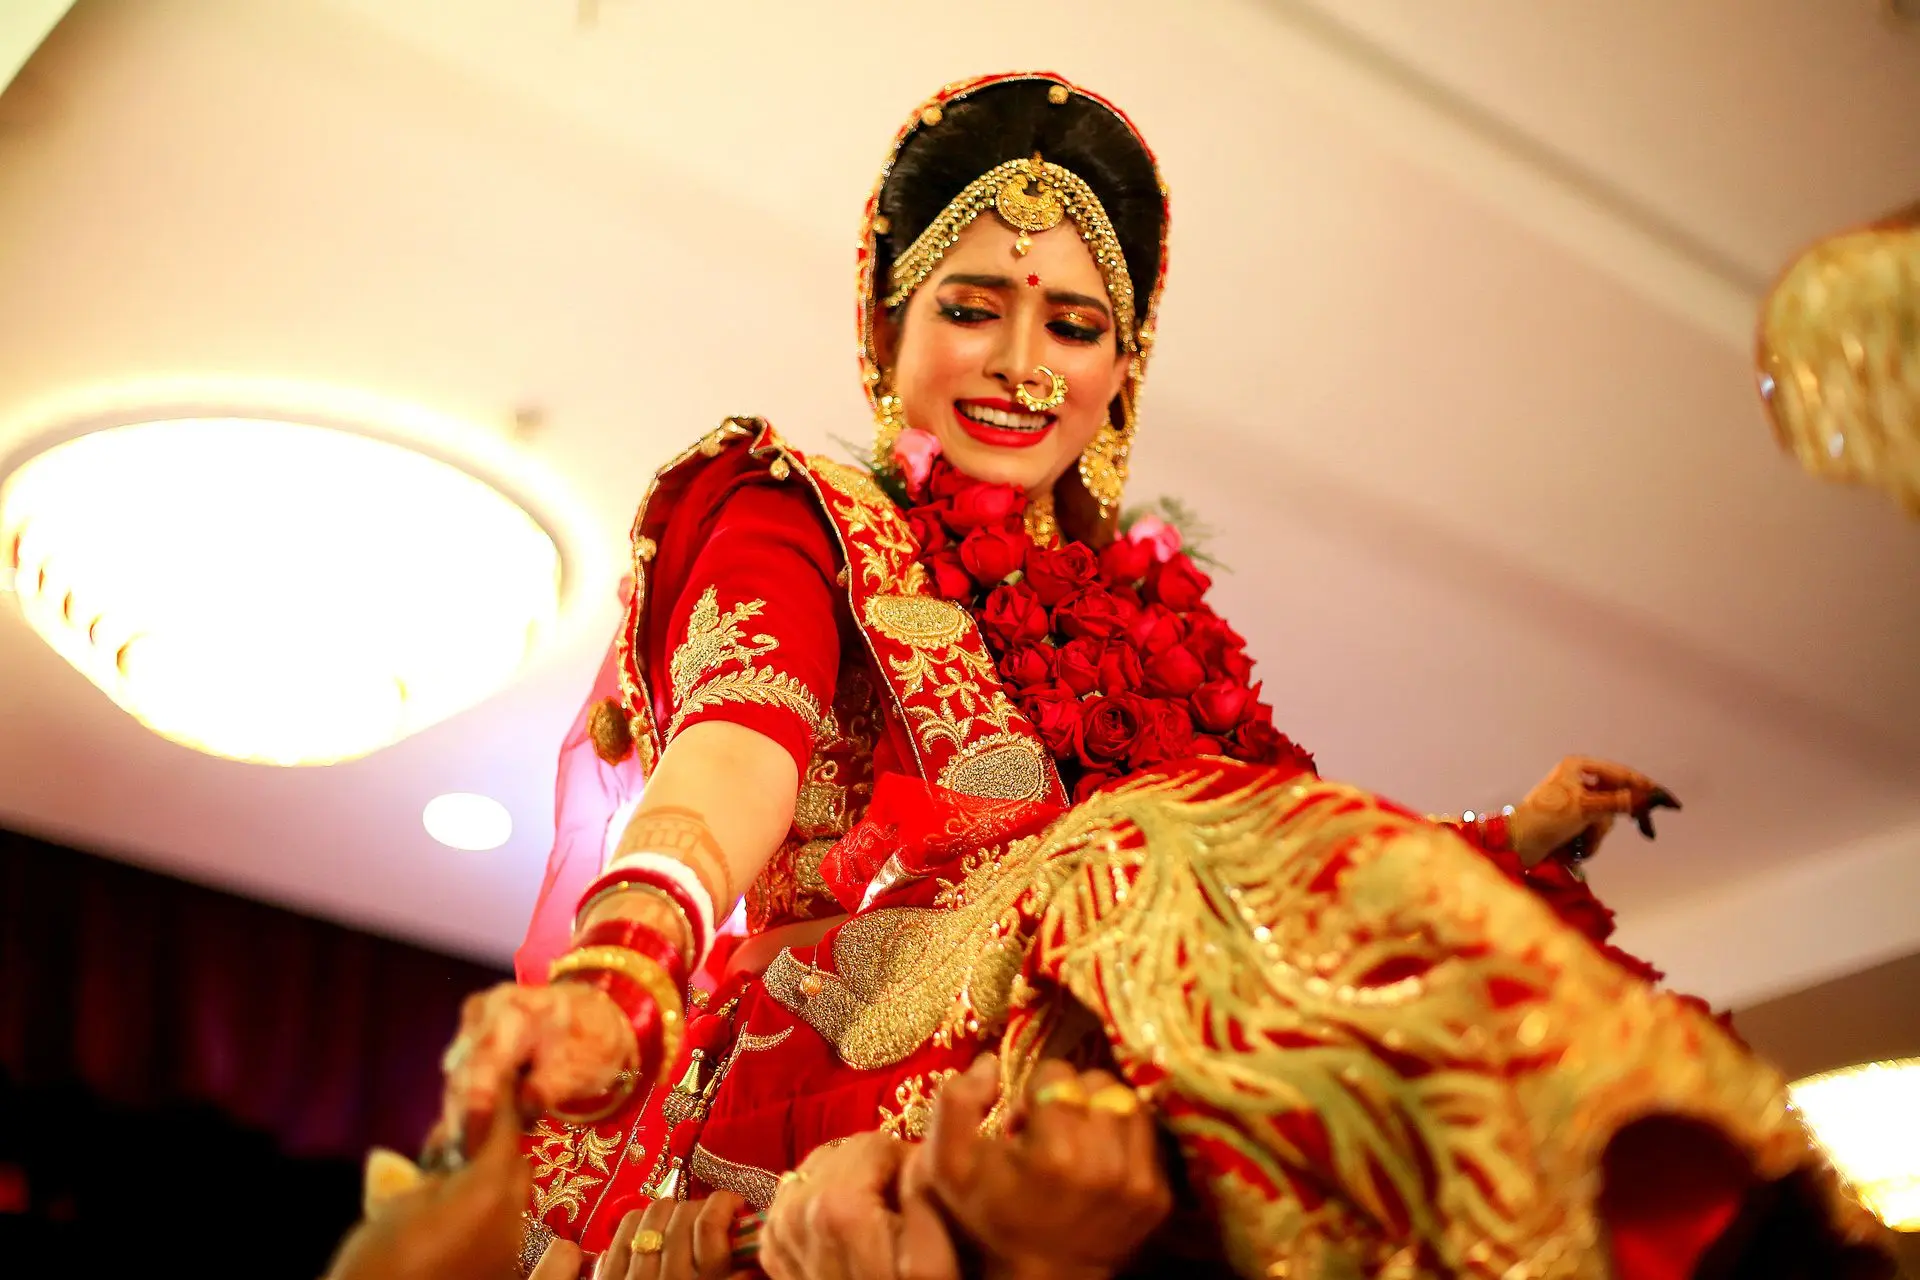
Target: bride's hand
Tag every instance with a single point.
(1574, 808)
(546, 1046)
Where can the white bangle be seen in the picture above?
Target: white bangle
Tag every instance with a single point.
(667, 867)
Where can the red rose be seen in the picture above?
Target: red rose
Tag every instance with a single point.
(1257, 742)
(982, 505)
(1057, 717)
(1090, 781)
(1553, 879)
(992, 555)
(927, 529)
(1174, 672)
(1057, 573)
(1091, 612)
(944, 479)
(1155, 629)
(1119, 670)
(1178, 583)
(1221, 649)
(1011, 616)
(1078, 665)
(1220, 705)
(1124, 563)
(1647, 973)
(951, 581)
(1111, 725)
(1205, 746)
(1028, 667)
(1166, 734)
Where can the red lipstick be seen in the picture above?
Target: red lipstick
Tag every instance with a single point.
(1000, 437)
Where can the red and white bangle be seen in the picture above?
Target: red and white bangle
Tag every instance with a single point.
(671, 879)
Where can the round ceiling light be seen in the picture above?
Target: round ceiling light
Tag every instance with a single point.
(462, 820)
(272, 591)
(1868, 1119)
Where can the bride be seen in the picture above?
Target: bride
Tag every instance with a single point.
(995, 780)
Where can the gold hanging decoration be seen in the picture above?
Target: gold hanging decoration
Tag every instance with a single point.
(1839, 357)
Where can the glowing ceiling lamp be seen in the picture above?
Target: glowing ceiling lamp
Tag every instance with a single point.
(1868, 1119)
(272, 591)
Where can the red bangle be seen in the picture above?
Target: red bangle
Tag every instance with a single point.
(1496, 834)
(643, 989)
(650, 1038)
(635, 935)
(625, 878)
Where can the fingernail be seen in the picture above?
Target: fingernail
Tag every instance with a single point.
(1662, 799)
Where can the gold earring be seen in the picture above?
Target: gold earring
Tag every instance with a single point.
(889, 421)
(1103, 468)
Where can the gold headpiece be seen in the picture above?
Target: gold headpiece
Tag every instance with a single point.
(1030, 196)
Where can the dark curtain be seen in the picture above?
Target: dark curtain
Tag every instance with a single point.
(183, 1070)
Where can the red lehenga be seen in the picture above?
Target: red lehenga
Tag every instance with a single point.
(1377, 1054)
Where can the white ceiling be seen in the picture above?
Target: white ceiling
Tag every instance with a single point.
(1454, 358)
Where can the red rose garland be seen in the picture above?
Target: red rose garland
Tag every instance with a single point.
(1114, 657)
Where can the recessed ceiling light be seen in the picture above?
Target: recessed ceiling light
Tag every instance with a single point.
(462, 820)
(274, 591)
(1868, 1119)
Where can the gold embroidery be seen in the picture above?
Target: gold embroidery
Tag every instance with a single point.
(906, 975)
(914, 1096)
(920, 621)
(714, 640)
(750, 1181)
(565, 1162)
(881, 537)
(1250, 942)
(634, 695)
(1006, 766)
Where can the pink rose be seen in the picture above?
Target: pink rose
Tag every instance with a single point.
(914, 452)
(1178, 583)
(1054, 574)
(992, 555)
(1155, 534)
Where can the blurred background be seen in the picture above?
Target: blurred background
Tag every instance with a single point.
(1456, 358)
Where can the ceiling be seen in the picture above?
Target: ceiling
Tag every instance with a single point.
(1454, 358)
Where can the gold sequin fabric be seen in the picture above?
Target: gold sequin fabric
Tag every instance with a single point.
(1378, 1055)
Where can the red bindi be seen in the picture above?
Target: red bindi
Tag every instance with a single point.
(1033, 282)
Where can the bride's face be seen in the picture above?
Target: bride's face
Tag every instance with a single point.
(981, 326)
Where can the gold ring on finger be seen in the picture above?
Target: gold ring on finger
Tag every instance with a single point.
(1114, 1100)
(1068, 1092)
(791, 1178)
(648, 1241)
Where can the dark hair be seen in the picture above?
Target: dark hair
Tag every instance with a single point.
(1009, 121)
